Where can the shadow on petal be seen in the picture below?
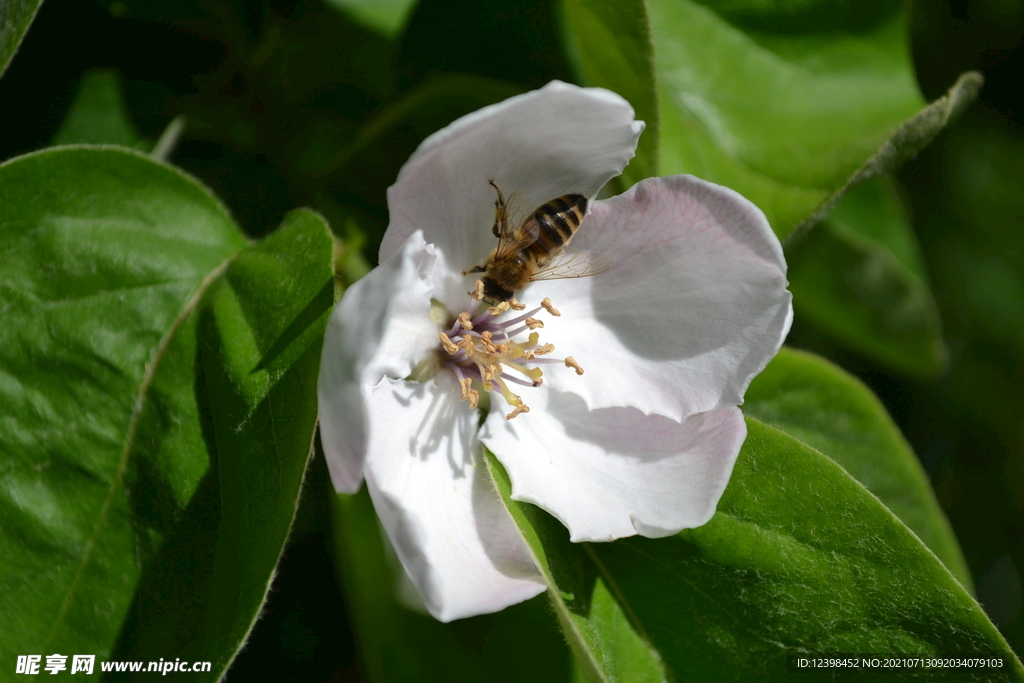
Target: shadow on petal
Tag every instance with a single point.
(625, 432)
(446, 427)
(445, 521)
(697, 268)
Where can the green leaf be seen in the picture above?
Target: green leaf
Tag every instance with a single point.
(106, 253)
(398, 644)
(384, 16)
(784, 102)
(15, 17)
(799, 559)
(98, 114)
(966, 196)
(859, 276)
(253, 373)
(875, 211)
(606, 645)
(971, 214)
(911, 137)
(610, 46)
(158, 381)
(831, 411)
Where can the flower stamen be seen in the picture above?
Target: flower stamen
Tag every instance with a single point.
(481, 364)
(491, 371)
(499, 309)
(570, 362)
(518, 410)
(448, 345)
(478, 293)
(546, 303)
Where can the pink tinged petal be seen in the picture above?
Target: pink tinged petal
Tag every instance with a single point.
(380, 328)
(615, 472)
(437, 504)
(558, 140)
(693, 308)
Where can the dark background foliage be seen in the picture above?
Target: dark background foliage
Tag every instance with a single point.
(274, 91)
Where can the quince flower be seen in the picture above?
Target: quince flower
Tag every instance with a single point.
(668, 339)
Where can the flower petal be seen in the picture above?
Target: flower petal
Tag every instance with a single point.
(615, 472)
(380, 328)
(437, 504)
(693, 308)
(558, 140)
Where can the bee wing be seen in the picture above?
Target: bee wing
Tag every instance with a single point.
(515, 232)
(574, 264)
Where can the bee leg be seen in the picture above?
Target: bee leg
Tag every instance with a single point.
(474, 269)
(499, 211)
(501, 198)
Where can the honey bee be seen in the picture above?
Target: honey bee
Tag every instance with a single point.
(535, 248)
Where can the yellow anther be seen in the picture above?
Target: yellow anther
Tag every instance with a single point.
(515, 305)
(474, 399)
(465, 321)
(533, 323)
(528, 355)
(467, 388)
(499, 309)
(491, 371)
(467, 344)
(570, 362)
(448, 345)
(478, 293)
(547, 348)
(546, 303)
(518, 410)
(502, 349)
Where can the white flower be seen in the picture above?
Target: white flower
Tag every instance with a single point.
(644, 442)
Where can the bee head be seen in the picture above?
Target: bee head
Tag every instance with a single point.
(495, 292)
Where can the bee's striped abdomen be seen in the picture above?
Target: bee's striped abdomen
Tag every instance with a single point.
(557, 221)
